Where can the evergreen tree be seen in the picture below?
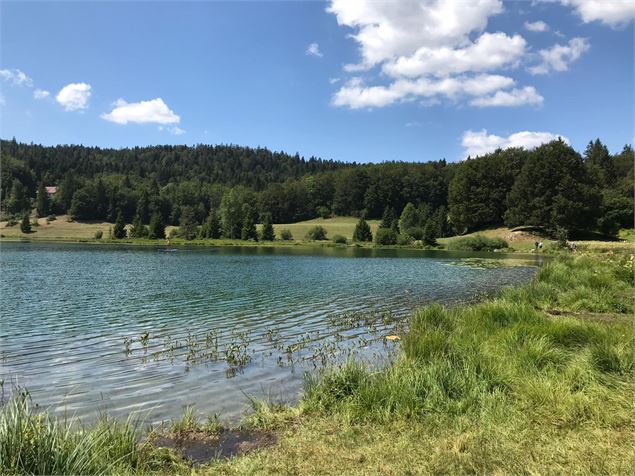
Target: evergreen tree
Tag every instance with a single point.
(268, 233)
(119, 230)
(231, 210)
(409, 218)
(248, 231)
(138, 229)
(25, 224)
(187, 224)
(143, 207)
(156, 229)
(362, 231)
(429, 233)
(389, 219)
(43, 202)
(18, 200)
(600, 162)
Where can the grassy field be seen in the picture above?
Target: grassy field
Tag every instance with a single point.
(62, 229)
(537, 380)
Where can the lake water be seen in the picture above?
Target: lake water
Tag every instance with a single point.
(90, 328)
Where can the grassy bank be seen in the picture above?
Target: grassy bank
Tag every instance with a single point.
(538, 379)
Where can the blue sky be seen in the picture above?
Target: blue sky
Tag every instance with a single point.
(356, 81)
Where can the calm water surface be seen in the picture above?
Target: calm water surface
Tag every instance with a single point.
(90, 328)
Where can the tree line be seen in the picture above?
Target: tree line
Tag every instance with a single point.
(223, 191)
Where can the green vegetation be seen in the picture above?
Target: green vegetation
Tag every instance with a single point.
(316, 233)
(537, 379)
(477, 243)
(550, 187)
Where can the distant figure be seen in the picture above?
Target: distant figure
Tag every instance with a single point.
(540, 245)
(572, 246)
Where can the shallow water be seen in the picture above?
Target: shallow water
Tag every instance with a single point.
(74, 319)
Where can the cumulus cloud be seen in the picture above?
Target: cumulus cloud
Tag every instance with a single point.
(154, 111)
(427, 48)
(355, 94)
(314, 50)
(515, 97)
(40, 94)
(490, 51)
(611, 12)
(536, 26)
(74, 96)
(16, 77)
(477, 143)
(559, 57)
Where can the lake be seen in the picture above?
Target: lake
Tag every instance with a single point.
(90, 328)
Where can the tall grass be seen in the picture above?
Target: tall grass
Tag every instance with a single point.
(504, 353)
(32, 442)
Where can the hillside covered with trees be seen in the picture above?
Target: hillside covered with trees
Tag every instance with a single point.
(214, 191)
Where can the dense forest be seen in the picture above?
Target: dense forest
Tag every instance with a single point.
(227, 189)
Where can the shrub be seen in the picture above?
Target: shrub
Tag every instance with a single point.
(386, 236)
(12, 222)
(51, 218)
(99, 234)
(415, 232)
(324, 212)
(316, 233)
(477, 243)
(25, 224)
(286, 235)
(404, 239)
(339, 239)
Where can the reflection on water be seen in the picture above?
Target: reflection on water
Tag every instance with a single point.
(106, 328)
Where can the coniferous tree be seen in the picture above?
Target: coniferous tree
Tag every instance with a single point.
(388, 219)
(268, 233)
(362, 231)
(18, 201)
(119, 230)
(187, 224)
(138, 229)
(25, 224)
(156, 229)
(248, 231)
(409, 218)
(43, 202)
(430, 233)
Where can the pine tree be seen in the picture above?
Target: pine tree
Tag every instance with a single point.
(248, 231)
(429, 233)
(268, 233)
(138, 229)
(119, 230)
(388, 218)
(43, 202)
(156, 229)
(25, 224)
(362, 231)
(187, 224)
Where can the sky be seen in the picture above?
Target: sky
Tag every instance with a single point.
(363, 81)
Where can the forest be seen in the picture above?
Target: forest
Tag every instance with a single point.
(224, 190)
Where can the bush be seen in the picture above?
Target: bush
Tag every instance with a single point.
(99, 235)
(316, 233)
(324, 212)
(339, 239)
(286, 235)
(415, 232)
(386, 236)
(12, 222)
(477, 243)
(404, 239)
(25, 224)
(51, 218)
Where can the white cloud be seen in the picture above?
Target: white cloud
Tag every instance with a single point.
(490, 51)
(516, 97)
(355, 95)
(477, 143)
(177, 131)
(40, 94)
(537, 26)
(387, 30)
(559, 57)
(3, 101)
(333, 80)
(611, 12)
(154, 111)
(313, 50)
(427, 48)
(74, 96)
(17, 77)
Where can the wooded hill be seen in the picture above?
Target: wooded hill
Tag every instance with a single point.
(552, 186)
